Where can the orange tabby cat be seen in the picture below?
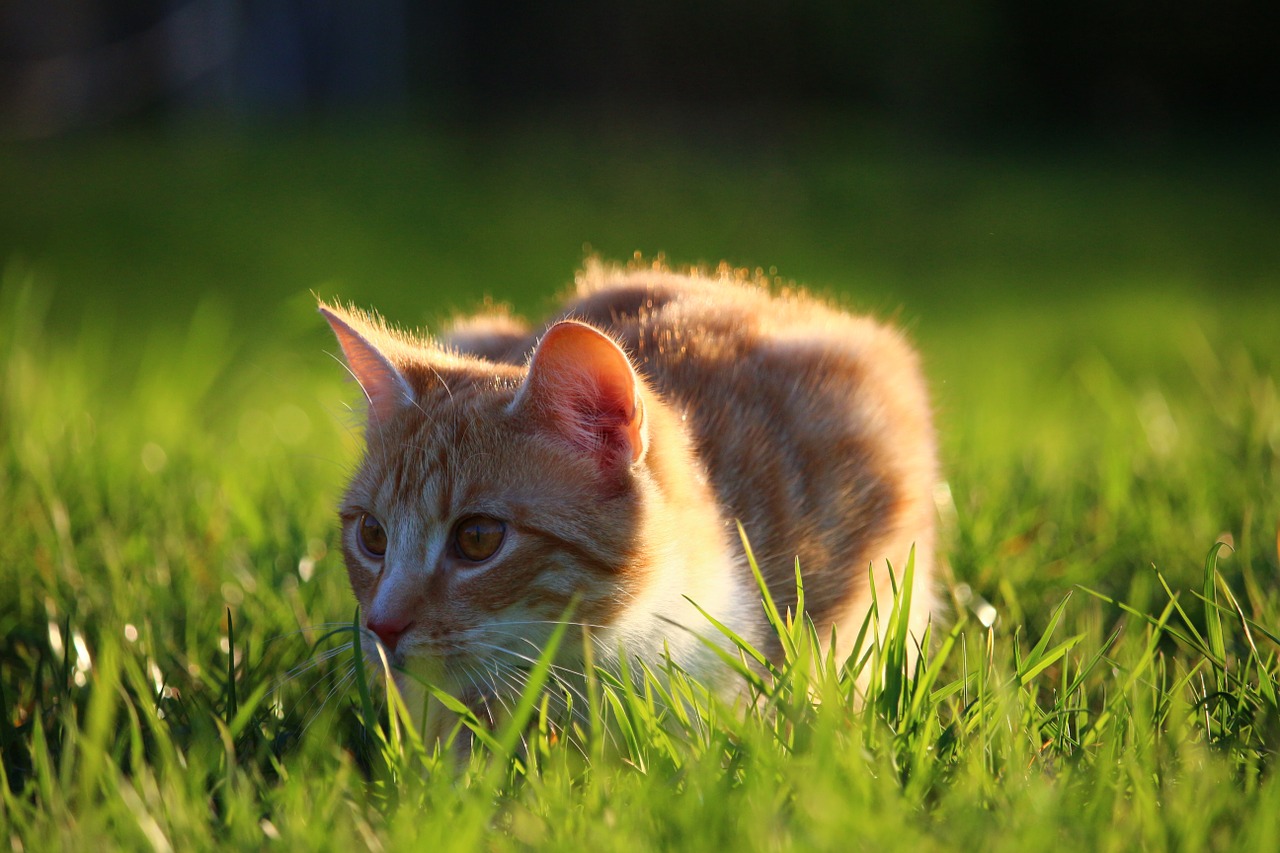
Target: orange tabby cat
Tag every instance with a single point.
(605, 457)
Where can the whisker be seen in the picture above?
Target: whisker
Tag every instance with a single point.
(297, 672)
(312, 663)
(339, 686)
(318, 626)
(537, 649)
(556, 622)
(517, 678)
(555, 669)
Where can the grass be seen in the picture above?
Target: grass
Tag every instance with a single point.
(174, 672)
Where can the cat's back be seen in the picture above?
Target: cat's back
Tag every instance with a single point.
(813, 425)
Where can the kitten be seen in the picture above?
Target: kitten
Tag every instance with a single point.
(604, 458)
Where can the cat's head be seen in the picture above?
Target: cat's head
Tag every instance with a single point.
(491, 499)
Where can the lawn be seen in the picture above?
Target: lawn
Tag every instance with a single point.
(1099, 329)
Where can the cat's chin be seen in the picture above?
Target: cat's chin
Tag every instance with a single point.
(415, 683)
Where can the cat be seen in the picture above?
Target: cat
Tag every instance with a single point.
(601, 460)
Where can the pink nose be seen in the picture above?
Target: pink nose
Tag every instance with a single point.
(389, 630)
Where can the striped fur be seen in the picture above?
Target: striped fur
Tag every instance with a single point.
(619, 476)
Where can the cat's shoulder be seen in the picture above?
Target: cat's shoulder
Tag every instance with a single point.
(599, 277)
(656, 292)
(727, 303)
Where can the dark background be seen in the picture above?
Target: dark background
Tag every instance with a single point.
(936, 66)
(934, 158)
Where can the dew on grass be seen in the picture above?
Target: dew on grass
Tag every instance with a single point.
(983, 610)
(224, 646)
(986, 613)
(84, 663)
(157, 677)
(130, 632)
(55, 639)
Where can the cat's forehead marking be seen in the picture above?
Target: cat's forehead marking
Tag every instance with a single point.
(441, 448)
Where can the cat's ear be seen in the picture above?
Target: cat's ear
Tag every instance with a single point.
(582, 384)
(383, 385)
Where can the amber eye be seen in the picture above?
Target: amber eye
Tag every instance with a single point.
(479, 537)
(372, 535)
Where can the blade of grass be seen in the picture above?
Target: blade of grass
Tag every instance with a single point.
(232, 705)
(367, 714)
(1212, 618)
(770, 607)
(515, 725)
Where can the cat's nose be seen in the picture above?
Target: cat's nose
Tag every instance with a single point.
(389, 630)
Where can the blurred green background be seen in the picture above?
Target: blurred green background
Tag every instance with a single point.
(942, 160)
(1075, 212)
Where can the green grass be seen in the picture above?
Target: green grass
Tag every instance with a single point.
(1099, 329)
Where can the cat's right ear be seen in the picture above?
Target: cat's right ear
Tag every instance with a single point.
(384, 387)
(582, 385)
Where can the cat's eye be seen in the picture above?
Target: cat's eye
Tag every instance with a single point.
(371, 535)
(479, 537)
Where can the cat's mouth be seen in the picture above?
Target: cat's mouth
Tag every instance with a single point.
(482, 679)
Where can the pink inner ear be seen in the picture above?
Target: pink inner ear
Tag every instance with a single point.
(585, 382)
(383, 385)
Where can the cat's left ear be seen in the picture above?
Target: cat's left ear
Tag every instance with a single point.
(583, 384)
(383, 385)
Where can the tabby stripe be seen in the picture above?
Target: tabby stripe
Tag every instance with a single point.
(588, 559)
(444, 495)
